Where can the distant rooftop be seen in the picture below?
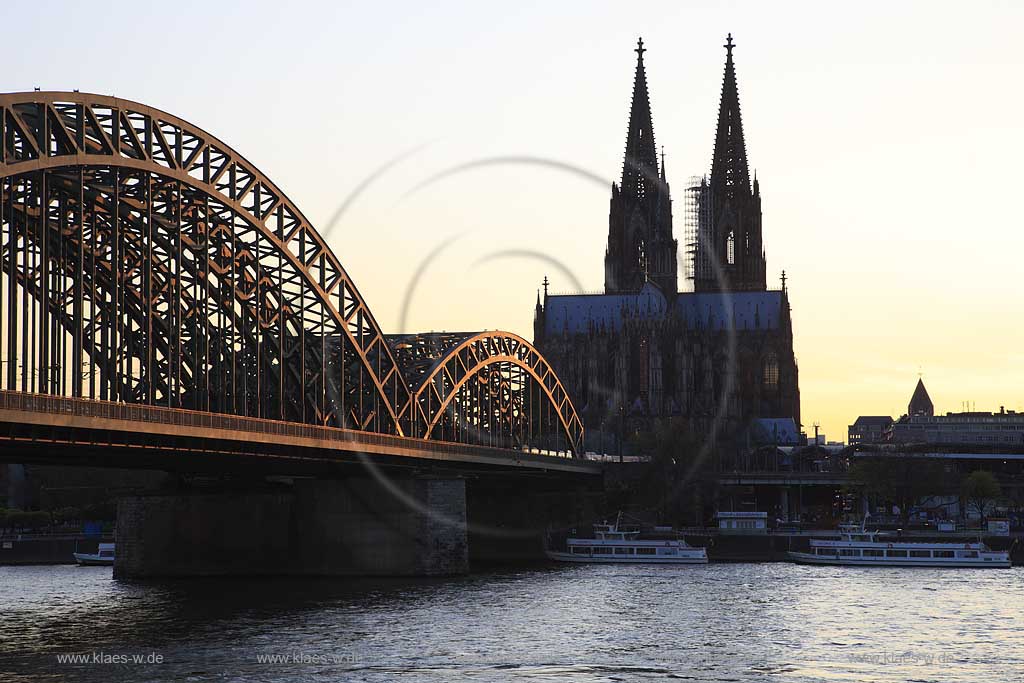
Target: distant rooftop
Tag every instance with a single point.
(972, 417)
(872, 420)
(920, 402)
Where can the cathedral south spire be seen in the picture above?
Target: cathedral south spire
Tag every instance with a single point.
(640, 244)
(733, 240)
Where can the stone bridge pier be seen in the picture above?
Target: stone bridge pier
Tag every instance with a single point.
(359, 526)
(511, 519)
(408, 525)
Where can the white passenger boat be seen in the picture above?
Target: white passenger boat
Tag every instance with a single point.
(613, 545)
(104, 555)
(858, 547)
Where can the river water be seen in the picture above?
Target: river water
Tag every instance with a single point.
(721, 622)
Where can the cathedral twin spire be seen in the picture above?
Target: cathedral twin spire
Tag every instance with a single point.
(729, 254)
(640, 165)
(641, 247)
(729, 172)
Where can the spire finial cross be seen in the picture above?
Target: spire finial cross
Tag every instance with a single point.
(728, 45)
(783, 281)
(545, 283)
(640, 49)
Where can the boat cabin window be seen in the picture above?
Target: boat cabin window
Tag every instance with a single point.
(623, 551)
(920, 553)
(602, 551)
(895, 553)
(825, 551)
(943, 553)
(967, 553)
(645, 551)
(850, 552)
(874, 552)
(576, 550)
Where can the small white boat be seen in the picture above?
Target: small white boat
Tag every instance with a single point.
(104, 555)
(858, 547)
(612, 545)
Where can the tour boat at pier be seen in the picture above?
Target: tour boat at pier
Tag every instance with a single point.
(613, 545)
(858, 547)
(104, 555)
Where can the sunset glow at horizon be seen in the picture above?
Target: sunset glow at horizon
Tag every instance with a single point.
(474, 156)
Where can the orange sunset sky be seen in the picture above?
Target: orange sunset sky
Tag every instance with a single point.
(886, 139)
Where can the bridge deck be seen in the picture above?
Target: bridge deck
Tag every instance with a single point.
(40, 420)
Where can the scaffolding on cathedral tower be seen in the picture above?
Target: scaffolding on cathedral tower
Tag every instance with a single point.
(696, 224)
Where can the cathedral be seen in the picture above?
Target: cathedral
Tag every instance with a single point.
(719, 356)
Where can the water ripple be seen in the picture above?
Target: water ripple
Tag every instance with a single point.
(738, 622)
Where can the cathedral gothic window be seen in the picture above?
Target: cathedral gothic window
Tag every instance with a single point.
(771, 370)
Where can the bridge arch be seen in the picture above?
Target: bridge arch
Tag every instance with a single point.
(492, 388)
(143, 260)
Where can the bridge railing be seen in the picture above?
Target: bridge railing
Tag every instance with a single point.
(62, 405)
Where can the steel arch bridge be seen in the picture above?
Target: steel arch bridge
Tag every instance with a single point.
(144, 261)
(480, 386)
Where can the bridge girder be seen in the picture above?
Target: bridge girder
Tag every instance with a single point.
(162, 210)
(142, 260)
